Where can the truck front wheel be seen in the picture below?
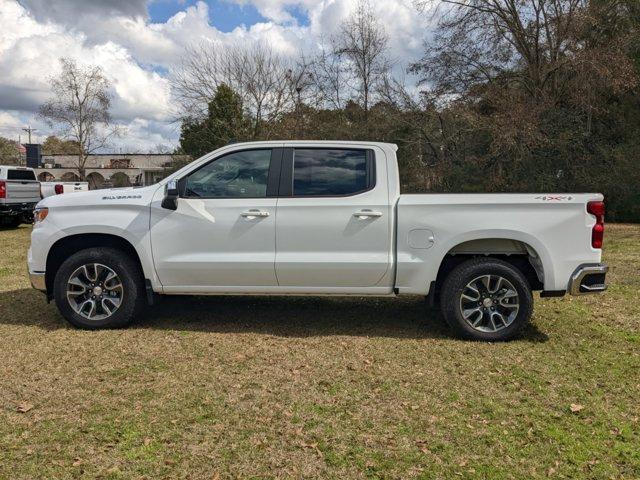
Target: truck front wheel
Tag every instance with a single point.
(486, 299)
(98, 288)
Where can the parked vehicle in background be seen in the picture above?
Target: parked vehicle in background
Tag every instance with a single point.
(19, 194)
(314, 218)
(57, 188)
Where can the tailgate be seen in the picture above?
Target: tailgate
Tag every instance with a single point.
(20, 191)
(70, 187)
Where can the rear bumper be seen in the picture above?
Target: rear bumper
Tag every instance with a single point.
(17, 208)
(588, 278)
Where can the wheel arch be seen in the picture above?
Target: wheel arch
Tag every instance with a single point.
(530, 258)
(67, 246)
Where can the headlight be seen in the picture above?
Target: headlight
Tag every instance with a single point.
(39, 214)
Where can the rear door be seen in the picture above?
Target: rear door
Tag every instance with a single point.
(333, 226)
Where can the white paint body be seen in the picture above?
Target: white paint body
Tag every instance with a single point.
(49, 188)
(316, 245)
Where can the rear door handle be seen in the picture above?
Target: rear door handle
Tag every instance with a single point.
(366, 213)
(254, 213)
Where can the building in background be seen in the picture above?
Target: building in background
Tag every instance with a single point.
(105, 170)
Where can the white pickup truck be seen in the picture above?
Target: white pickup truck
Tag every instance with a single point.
(58, 188)
(19, 193)
(314, 218)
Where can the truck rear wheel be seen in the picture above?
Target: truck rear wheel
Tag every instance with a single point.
(486, 299)
(98, 288)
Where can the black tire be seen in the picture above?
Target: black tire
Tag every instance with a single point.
(125, 268)
(508, 314)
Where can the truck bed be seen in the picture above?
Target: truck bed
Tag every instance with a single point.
(552, 229)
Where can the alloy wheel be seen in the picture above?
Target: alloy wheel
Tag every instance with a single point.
(489, 303)
(94, 291)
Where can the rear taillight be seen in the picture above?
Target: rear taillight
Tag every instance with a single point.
(3, 189)
(58, 189)
(597, 233)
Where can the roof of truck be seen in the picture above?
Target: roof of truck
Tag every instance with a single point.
(320, 143)
(12, 167)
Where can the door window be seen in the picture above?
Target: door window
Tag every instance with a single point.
(331, 172)
(236, 175)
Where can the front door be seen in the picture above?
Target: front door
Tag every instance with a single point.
(222, 234)
(334, 222)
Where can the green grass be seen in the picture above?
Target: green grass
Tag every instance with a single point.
(227, 387)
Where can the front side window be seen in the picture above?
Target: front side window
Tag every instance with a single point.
(236, 175)
(330, 172)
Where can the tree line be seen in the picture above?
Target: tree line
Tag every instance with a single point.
(512, 95)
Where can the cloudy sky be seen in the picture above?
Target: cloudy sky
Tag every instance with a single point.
(139, 42)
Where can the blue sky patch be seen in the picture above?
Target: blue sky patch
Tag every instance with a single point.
(223, 15)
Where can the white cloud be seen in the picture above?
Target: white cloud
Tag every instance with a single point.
(10, 125)
(30, 52)
(62, 11)
(137, 54)
(142, 135)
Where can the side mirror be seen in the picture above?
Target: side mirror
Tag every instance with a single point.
(170, 200)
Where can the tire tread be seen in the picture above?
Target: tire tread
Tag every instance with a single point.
(131, 276)
(460, 276)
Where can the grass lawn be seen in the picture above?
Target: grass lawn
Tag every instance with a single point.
(220, 387)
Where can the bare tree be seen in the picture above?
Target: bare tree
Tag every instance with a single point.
(258, 74)
(302, 90)
(523, 58)
(537, 44)
(435, 133)
(263, 80)
(195, 82)
(363, 42)
(329, 76)
(80, 108)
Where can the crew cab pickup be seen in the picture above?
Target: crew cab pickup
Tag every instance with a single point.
(19, 193)
(314, 218)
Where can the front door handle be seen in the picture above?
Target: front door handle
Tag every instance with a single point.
(254, 213)
(366, 213)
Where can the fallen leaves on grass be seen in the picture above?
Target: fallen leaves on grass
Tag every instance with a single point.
(576, 407)
(24, 407)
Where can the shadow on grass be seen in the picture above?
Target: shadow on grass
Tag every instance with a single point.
(403, 317)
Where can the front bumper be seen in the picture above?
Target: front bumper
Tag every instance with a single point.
(588, 278)
(37, 281)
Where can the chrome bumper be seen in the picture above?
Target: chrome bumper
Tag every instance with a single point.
(588, 278)
(37, 281)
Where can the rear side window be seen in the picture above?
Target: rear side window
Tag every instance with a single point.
(331, 172)
(20, 175)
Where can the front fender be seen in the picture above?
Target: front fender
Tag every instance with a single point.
(128, 222)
